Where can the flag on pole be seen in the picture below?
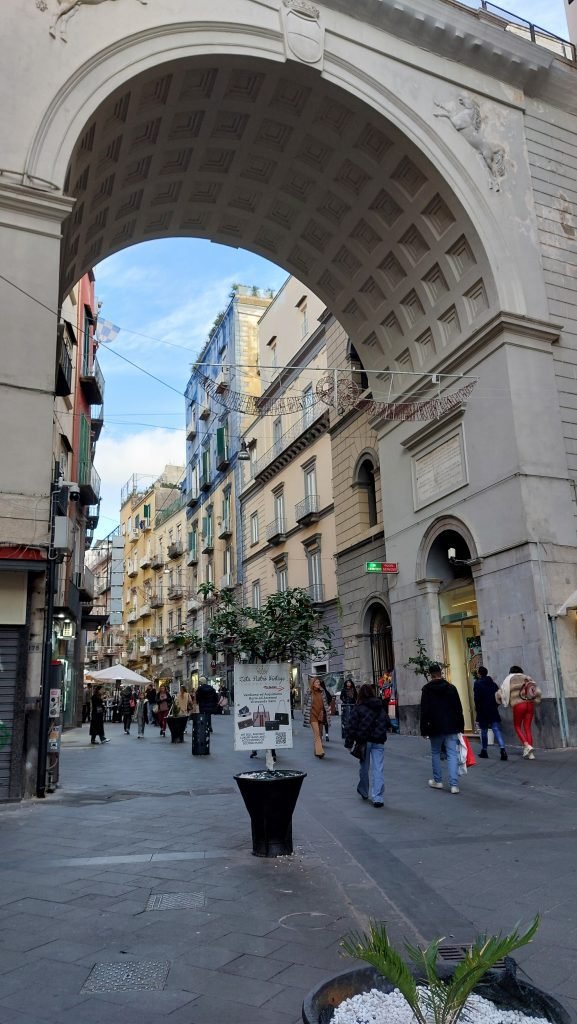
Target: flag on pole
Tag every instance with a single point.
(106, 332)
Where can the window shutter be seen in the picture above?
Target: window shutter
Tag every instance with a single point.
(221, 442)
(146, 511)
(204, 526)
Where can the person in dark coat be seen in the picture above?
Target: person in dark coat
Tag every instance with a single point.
(348, 698)
(207, 698)
(487, 711)
(127, 704)
(151, 699)
(442, 720)
(97, 717)
(368, 724)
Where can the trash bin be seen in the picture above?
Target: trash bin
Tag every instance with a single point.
(200, 734)
(270, 798)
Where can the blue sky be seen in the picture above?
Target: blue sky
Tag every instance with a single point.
(172, 290)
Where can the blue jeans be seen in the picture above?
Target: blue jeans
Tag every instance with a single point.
(496, 727)
(375, 759)
(452, 759)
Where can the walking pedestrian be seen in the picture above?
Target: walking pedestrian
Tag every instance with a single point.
(316, 710)
(223, 701)
(207, 698)
(487, 711)
(522, 693)
(368, 725)
(141, 714)
(348, 699)
(97, 717)
(126, 709)
(442, 720)
(164, 703)
(332, 709)
(151, 701)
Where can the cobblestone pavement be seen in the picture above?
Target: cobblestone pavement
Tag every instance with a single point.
(242, 939)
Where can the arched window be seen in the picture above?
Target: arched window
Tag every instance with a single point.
(366, 482)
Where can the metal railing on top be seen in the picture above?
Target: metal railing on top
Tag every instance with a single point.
(311, 414)
(535, 33)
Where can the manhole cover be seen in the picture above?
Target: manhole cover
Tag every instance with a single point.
(455, 953)
(127, 977)
(176, 900)
(307, 921)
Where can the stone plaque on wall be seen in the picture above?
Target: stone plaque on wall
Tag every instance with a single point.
(440, 470)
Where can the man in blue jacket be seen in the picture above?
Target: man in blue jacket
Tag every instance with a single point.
(487, 711)
(442, 720)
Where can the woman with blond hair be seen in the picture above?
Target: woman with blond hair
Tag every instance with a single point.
(317, 713)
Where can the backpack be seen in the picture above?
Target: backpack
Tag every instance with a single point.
(528, 690)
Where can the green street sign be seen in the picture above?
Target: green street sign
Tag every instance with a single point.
(382, 567)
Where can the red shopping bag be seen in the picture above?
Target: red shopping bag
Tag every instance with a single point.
(471, 760)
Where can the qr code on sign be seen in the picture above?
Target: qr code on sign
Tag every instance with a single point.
(280, 739)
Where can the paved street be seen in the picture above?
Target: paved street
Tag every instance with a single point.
(139, 818)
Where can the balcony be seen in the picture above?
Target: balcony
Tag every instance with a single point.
(311, 425)
(145, 525)
(227, 582)
(92, 517)
(132, 656)
(133, 536)
(193, 604)
(204, 482)
(192, 557)
(204, 411)
(157, 561)
(145, 609)
(223, 457)
(144, 651)
(156, 601)
(175, 592)
(191, 430)
(133, 616)
(156, 643)
(276, 531)
(63, 383)
(96, 421)
(225, 529)
(89, 483)
(307, 511)
(92, 382)
(191, 498)
(207, 544)
(175, 549)
(145, 562)
(102, 584)
(131, 570)
(316, 592)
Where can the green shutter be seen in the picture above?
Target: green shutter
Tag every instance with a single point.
(204, 525)
(221, 443)
(146, 512)
(84, 452)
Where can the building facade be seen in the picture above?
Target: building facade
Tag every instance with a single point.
(214, 431)
(105, 639)
(286, 500)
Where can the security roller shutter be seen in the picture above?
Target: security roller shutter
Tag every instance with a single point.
(9, 650)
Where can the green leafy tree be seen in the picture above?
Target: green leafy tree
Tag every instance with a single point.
(421, 663)
(442, 1002)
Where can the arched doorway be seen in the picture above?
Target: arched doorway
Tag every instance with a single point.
(449, 560)
(381, 640)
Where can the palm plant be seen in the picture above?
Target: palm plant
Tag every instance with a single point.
(442, 1002)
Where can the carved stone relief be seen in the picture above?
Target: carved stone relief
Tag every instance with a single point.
(464, 113)
(65, 11)
(304, 34)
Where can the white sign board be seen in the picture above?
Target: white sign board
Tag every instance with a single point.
(439, 471)
(262, 717)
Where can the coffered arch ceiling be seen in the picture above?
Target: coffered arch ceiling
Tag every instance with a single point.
(272, 158)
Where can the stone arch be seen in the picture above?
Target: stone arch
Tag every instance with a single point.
(446, 524)
(367, 455)
(323, 179)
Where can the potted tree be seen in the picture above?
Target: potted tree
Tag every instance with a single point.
(286, 628)
(433, 991)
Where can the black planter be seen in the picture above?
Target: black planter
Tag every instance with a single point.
(177, 725)
(502, 987)
(270, 798)
(200, 734)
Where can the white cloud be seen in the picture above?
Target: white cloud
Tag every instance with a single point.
(145, 453)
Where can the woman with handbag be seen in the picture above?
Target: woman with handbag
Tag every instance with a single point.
(522, 693)
(164, 703)
(366, 737)
(317, 710)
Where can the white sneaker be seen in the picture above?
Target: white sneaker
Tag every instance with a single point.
(531, 755)
(435, 785)
(526, 750)
(455, 789)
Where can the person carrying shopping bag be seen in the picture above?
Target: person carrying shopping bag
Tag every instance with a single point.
(442, 720)
(164, 704)
(316, 711)
(367, 727)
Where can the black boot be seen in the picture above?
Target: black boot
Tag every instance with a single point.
(483, 753)
(504, 754)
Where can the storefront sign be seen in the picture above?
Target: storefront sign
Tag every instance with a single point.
(440, 471)
(262, 718)
(390, 567)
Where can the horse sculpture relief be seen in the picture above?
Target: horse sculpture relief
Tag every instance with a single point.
(68, 9)
(465, 116)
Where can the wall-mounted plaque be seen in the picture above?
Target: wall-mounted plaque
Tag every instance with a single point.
(439, 470)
